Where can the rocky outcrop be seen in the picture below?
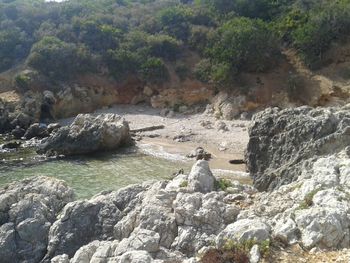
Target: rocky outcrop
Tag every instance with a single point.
(37, 130)
(88, 134)
(313, 209)
(27, 210)
(176, 220)
(228, 106)
(83, 221)
(175, 97)
(167, 221)
(282, 140)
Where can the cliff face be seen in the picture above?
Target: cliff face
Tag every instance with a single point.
(283, 142)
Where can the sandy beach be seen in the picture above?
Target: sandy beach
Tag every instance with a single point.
(182, 133)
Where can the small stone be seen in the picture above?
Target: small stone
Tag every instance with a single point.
(254, 254)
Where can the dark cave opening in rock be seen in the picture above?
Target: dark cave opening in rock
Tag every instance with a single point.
(46, 112)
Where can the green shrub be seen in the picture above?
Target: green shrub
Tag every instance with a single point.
(13, 45)
(175, 21)
(223, 184)
(308, 200)
(242, 45)
(164, 46)
(22, 81)
(154, 71)
(184, 184)
(325, 25)
(199, 38)
(122, 62)
(182, 71)
(202, 70)
(58, 59)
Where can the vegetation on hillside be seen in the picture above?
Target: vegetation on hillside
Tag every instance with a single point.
(141, 37)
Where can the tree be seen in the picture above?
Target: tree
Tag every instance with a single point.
(164, 46)
(244, 44)
(13, 46)
(154, 71)
(58, 59)
(175, 22)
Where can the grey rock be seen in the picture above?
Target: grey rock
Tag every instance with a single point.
(138, 256)
(52, 127)
(18, 132)
(88, 134)
(60, 259)
(201, 178)
(243, 230)
(323, 227)
(27, 210)
(140, 239)
(200, 154)
(282, 140)
(81, 222)
(254, 254)
(36, 130)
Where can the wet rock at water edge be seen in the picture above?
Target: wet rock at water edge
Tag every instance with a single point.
(11, 145)
(36, 130)
(18, 132)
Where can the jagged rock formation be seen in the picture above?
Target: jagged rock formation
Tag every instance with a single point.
(27, 210)
(88, 134)
(282, 140)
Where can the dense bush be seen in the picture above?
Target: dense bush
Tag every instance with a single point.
(242, 44)
(154, 71)
(176, 21)
(13, 46)
(58, 59)
(122, 63)
(145, 37)
(315, 36)
(164, 46)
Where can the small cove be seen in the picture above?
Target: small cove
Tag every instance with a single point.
(90, 175)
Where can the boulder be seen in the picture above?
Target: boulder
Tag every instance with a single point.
(53, 127)
(88, 134)
(36, 130)
(200, 154)
(244, 230)
(201, 178)
(81, 222)
(282, 140)
(18, 132)
(27, 210)
(228, 106)
(324, 227)
(11, 145)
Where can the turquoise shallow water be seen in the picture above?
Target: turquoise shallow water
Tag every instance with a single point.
(90, 175)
